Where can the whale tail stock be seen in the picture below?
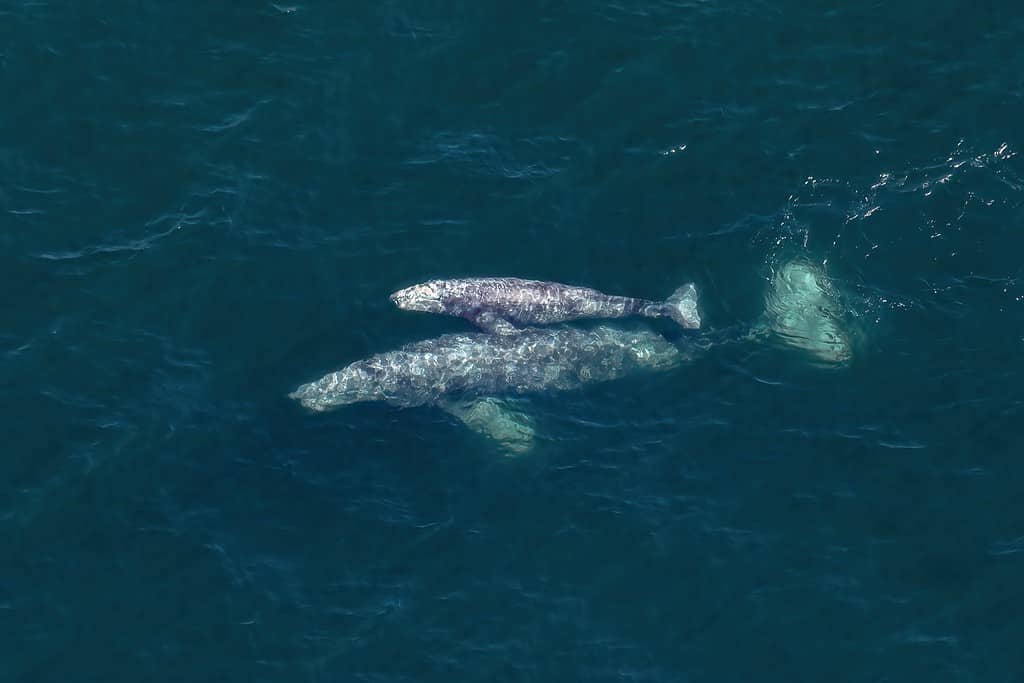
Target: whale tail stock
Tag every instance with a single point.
(681, 306)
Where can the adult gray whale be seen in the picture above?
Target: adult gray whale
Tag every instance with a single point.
(497, 304)
(472, 375)
(480, 364)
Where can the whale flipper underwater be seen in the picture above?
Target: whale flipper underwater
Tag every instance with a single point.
(489, 321)
(487, 301)
(475, 377)
(496, 419)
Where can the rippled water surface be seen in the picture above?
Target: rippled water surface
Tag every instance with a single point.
(204, 205)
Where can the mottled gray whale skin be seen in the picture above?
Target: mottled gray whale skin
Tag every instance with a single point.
(467, 366)
(497, 303)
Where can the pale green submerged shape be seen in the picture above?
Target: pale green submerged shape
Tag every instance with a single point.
(802, 309)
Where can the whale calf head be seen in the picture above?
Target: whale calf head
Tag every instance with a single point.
(427, 297)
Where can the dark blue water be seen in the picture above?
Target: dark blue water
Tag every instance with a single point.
(204, 205)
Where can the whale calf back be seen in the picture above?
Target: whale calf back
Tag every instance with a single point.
(494, 303)
(457, 366)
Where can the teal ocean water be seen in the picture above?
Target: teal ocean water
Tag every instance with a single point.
(204, 205)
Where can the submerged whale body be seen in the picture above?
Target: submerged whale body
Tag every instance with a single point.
(480, 364)
(475, 377)
(497, 304)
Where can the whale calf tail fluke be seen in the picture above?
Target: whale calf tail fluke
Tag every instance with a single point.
(681, 306)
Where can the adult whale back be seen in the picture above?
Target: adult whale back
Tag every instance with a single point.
(497, 304)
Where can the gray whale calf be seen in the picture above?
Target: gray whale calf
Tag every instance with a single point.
(498, 304)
